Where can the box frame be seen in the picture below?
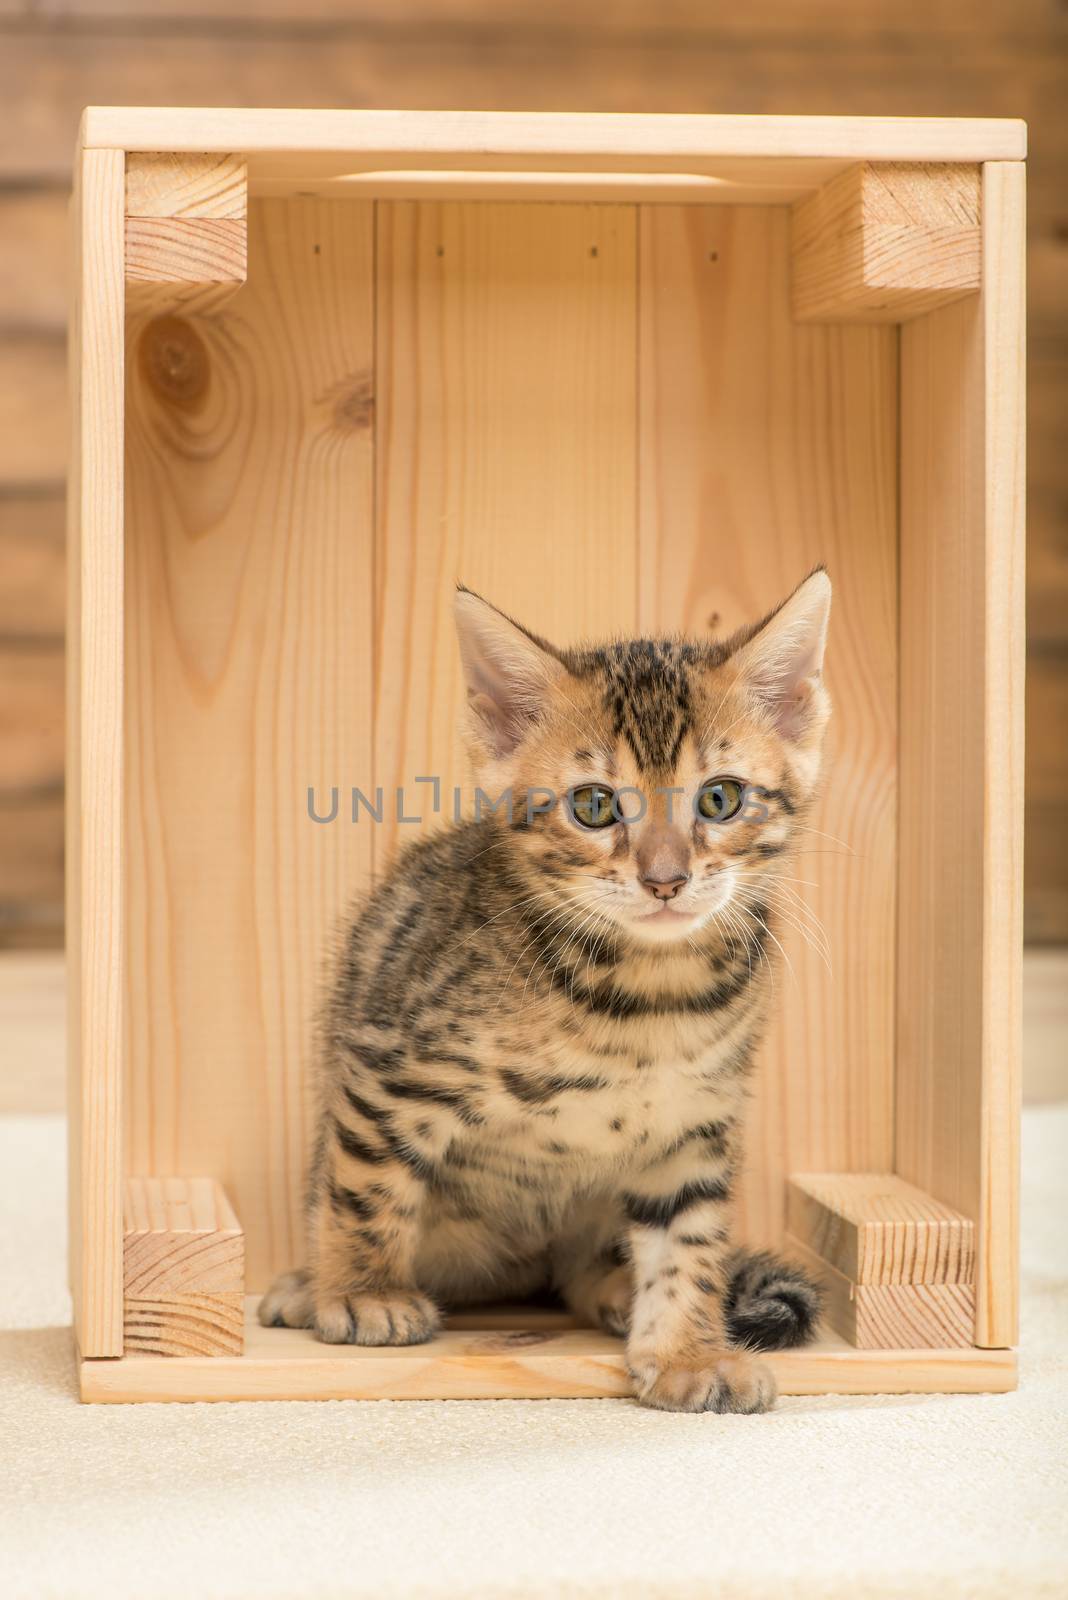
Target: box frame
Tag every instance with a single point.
(961, 542)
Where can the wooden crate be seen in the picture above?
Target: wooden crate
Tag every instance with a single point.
(618, 373)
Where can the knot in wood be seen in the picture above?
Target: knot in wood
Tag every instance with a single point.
(174, 361)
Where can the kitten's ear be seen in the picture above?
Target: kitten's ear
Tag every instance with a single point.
(783, 660)
(509, 673)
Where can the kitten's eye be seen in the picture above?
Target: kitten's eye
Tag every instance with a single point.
(721, 799)
(592, 806)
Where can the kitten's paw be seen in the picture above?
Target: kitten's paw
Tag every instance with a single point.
(288, 1302)
(392, 1317)
(612, 1301)
(723, 1380)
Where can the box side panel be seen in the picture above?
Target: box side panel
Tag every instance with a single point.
(94, 753)
(249, 582)
(507, 370)
(1004, 304)
(960, 926)
(599, 140)
(766, 448)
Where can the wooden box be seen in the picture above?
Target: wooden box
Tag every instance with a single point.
(618, 373)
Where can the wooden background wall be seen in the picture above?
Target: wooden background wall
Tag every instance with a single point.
(901, 57)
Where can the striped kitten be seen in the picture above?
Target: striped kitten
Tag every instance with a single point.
(535, 1057)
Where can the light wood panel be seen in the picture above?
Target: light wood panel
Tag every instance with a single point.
(183, 1269)
(161, 183)
(249, 531)
(506, 350)
(891, 1316)
(496, 137)
(960, 878)
(95, 831)
(886, 241)
(186, 231)
(525, 1362)
(876, 1228)
(766, 448)
(191, 263)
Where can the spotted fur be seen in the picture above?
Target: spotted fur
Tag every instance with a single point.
(534, 1058)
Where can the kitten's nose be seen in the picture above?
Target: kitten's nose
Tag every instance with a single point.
(665, 888)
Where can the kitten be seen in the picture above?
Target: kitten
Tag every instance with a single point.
(534, 1061)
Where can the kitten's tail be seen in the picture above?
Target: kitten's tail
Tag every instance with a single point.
(771, 1304)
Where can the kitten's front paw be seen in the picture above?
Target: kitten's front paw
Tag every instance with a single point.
(392, 1317)
(612, 1302)
(720, 1380)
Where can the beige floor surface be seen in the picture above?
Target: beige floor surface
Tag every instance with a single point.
(913, 1496)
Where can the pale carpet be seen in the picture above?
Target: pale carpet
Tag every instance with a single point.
(911, 1496)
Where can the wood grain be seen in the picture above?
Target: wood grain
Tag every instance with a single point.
(183, 1269)
(249, 525)
(875, 1228)
(891, 1316)
(163, 183)
(95, 831)
(199, 1325)
(283, 1364)
(507, 370)
(179, 1234)
(191, 250)
(962, 719)
(765, 448)
(499, 137)
(886, 241)
(1004, 317)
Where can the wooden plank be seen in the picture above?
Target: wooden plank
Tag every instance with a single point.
(1004, 317)
(506, 349)
(183, 1269)
(249, 513)
(767, 447)
(284, 1364)
(885, 242)
(166, 184)
(892, 1316)
(35, 261)
(493, 136)
(32, 559)
(193, 264)
(33, 412)
(186, 231)
(875, 1228)
(95, 756)
(962, 655)
(199, 1325)
(180, 1234)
